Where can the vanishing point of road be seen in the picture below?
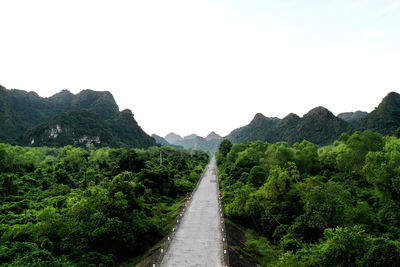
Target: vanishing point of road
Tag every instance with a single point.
(198, 239)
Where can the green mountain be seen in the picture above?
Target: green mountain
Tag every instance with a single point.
(20, 111)
(127, 132)
(160, 140)
(319, 125)
(101, 103)
(286, 126)
(260, 128)
(89, 117)
(80, 127)
(385, 119)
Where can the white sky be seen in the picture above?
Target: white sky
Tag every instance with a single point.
(201, 66)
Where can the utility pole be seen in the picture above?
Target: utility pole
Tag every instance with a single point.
(160, 157)
(85, 181)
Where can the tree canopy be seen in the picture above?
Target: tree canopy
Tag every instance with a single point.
(336, 205)
(76, 207)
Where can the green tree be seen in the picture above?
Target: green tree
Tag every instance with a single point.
(225, 147)
(258, 176)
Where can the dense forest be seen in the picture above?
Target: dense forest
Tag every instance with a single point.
(97, 207)
(304, 205)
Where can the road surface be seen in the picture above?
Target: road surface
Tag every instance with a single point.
(198, 239)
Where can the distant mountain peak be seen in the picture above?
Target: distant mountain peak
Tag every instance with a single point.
(212, 136)
(160, 140)
(191, 136)
(352, 116)
(172, 138)
(173, 134)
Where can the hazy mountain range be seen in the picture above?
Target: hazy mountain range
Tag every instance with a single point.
(210, 143)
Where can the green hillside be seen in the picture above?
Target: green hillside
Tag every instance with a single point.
(319, 125)
(89, 117)
(385, 119)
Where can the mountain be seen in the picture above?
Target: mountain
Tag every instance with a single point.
(80, 127)
(64, 118)
(213, 136)
(352, 116)
(384, 119)
(286, 126)
(193, 141)
(319, 125)
(127, 132)
(190, 137)
(199, 142)
(260, 128)
(20, 111)
(101, 103)
(172, 138)
(160, 140)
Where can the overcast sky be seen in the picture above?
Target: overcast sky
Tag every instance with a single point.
(201, 66)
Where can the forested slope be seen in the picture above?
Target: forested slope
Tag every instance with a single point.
(87, 118)
(319, 125)
(336, 205)
(72, 207)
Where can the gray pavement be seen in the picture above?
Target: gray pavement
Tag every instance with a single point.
(198, 239)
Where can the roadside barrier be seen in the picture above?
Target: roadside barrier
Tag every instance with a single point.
(223, 226)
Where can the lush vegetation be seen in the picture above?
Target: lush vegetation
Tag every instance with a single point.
(67, 119)
(336, 205)
(75, 207)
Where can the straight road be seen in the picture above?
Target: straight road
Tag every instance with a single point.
(197, 241)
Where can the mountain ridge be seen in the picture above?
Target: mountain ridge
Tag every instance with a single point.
(352, 116)
(68, 119)
(193, 141)
(213, 135)
(320, 125)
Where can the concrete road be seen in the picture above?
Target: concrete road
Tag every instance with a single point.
(198, 239)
